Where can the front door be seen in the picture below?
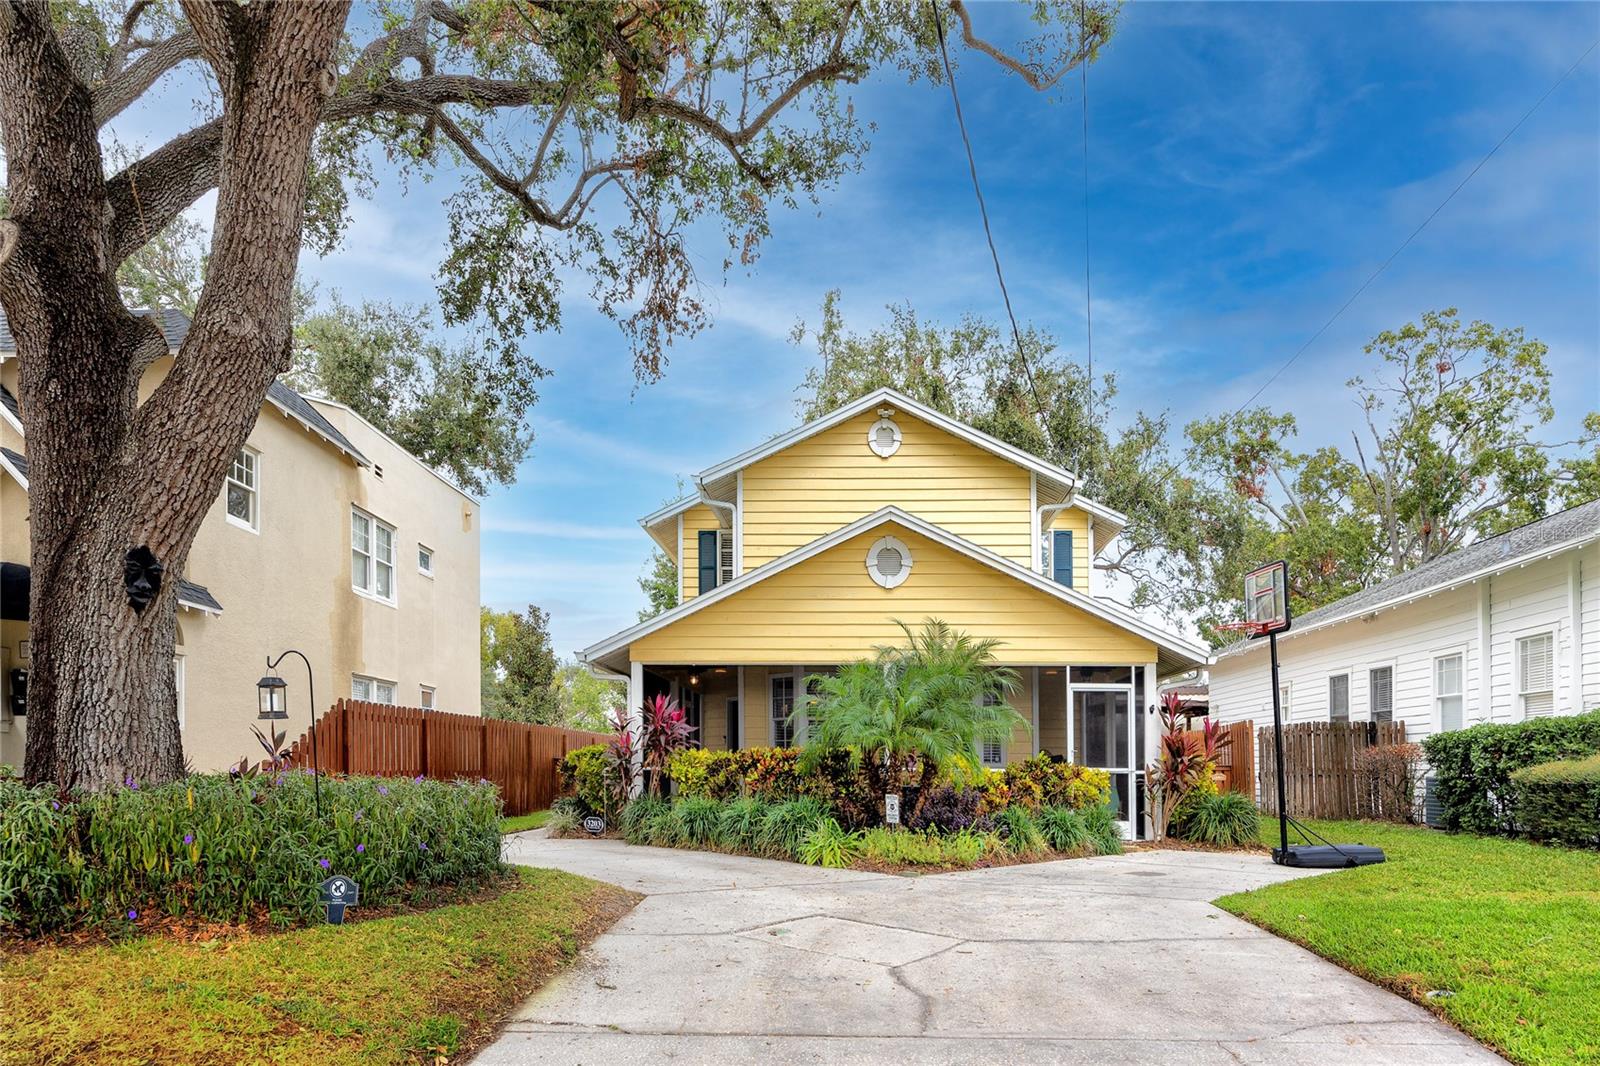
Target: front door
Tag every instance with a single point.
(1102, 738)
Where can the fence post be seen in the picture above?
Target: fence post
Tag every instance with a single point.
(422, 743)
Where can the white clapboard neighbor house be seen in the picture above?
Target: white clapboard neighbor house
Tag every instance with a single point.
(1503, 630)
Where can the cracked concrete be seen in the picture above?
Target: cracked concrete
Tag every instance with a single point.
(1114, 960)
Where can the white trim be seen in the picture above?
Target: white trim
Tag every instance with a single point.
(1034, 558)
(179, 684)
(253, 525)
(312, 427)
(428, 572)
(1575, 634)
(1103, 609)
(881, 449)
(738, 525)
(5, 464)
(1485, 708)
(1381, 664)
(371, 593)
(1435, 713)
(1519, 689)
(1346, 674)
(1035, 710)
(635, 723)
(894, 544)
(678, 562)
(13, 421)
(676, 507)
(205, 609)
(374, 682)
(744, 737)
(428, 697)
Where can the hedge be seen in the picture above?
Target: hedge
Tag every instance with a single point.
(227, 849)
(1474, 766)
(1560, 801)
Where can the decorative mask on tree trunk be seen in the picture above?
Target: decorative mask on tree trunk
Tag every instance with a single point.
(141, 575)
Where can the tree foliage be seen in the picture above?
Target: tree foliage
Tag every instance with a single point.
(519, 666)
(659, 583)
(584, 701)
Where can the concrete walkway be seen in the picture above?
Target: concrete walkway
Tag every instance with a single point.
(1115, 960)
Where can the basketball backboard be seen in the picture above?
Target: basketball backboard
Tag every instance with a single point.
(1266, 598)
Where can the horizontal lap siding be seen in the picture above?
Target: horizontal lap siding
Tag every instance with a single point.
(827, 609)
(1078, 522)
(827, 481)
(695, 519)
(1590, 602)
(1053, 712)
(1530, 599)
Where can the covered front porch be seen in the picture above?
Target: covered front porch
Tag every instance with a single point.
(1093, 714)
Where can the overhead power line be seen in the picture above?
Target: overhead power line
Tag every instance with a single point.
(1413, 235)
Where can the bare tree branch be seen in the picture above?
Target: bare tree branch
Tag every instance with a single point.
(127, 84)
(1035, 79)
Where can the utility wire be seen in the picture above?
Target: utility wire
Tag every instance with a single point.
(1088, 303)
(983, 211)
(1406, 243)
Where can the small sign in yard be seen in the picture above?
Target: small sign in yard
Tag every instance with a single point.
(594, 824)
(336, 894)
(891, 809)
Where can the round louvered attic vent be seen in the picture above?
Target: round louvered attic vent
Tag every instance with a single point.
(884, 436)
(889, 561)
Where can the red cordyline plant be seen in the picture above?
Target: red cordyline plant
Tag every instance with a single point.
(621, 769)
(1182, 759)
(665, 731)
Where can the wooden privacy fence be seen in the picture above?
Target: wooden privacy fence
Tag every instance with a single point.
(356, 737)
(1236, 759)
(1319, 761)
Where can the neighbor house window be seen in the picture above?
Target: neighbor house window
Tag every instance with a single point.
(371, 556)
(1339, 698)
(1447, 684)
(782, 707)
(1283, 700)
(371, 690)
(244, 489)
(1536, 674)
(426, 698)
(177, 684)
(992, 753)
(424, 560)
(1380, 693)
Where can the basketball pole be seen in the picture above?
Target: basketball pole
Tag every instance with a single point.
(1282, 854)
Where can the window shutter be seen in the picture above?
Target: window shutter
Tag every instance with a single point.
(1061, 556)
(708, 560)
(724, 556)
(1538, 674)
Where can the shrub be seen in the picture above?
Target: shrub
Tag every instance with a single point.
(828, 844)
(563, 822)
(1560, 801)
(637, 816)
(227, 849)
(661, 828)
(948, 809)
(902, 847)
(1386, 776)
(1226, 818)
(1045, 781)
(1204, 786)
(570, 805)
(697, 772)
(585, 775)
(696, 820)
(739, 825)
(969, 847)
(1474, 766)
(1064, 829)
(1105, 838)
(1020, 832)
(770, 773)
(786, 825)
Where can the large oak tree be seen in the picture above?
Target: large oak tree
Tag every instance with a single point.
(597, 134)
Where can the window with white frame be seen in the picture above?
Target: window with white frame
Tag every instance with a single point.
(177, 684)
(1339, 698)
(1380, 693)
(371, 690)
(782, 707)
(992, 753)
(1536, 674)
(371, 556)
(1283, 700)
(426, 697)
(244, 489)
(424, 560)
(1448, 681)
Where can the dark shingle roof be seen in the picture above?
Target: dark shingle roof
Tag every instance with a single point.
(9, 402)
(1490, 554)
(192, 595)
(18, 461)
(175, 324)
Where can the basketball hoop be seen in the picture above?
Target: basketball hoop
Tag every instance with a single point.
(1250, 629)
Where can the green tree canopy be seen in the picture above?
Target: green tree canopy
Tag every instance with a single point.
(519, 666)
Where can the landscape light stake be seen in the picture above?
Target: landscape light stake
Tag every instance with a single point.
(272, 688)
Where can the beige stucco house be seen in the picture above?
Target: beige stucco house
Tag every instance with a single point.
(328, 537)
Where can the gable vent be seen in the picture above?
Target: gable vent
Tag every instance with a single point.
(889, 562)
(884, 436)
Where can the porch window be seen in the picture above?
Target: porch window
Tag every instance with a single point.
(782, 707)
(1447, 671)
(1536, 675)
(1380, 690)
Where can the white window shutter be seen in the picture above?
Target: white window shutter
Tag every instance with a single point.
(724, 556)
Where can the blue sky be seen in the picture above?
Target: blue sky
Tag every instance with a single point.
(1250, 165)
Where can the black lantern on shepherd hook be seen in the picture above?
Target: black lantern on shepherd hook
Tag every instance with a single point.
(272, 698)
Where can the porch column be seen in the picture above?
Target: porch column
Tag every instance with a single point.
(1152, 730)
(636, 722)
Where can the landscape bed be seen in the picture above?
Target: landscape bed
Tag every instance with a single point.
(401, 989)
(1497, 936)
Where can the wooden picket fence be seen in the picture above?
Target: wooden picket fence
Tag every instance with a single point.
(1236, 759)
(1319, 760)
(356, 737)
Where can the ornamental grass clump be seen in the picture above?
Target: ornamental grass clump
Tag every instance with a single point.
(696, 821)
(638, 816)
(828, 844)
(221, 848)
(739, 825)
(1225, 818)
(1105, 838)
(1064, 829)
(1020, 832)
(786, 825)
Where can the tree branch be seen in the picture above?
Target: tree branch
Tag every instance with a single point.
(126, 84)
(1034, 79)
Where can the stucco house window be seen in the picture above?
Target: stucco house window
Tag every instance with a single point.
(1447, 683)
(244, 490)
(426, 698)
(371, 556)
(1380, 692)
(424, 560)
(782, 706)
(1339, 698)
(1536, 674)
(371, 689)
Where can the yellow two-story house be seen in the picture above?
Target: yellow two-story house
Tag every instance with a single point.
(803, 553)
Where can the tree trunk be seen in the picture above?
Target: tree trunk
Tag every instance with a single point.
(108, 473)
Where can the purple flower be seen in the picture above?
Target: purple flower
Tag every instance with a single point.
(417, 780)
(360, 815)
(133, 916)
(361, 849)
(55, 805)
(324, 863)
(131, 783)
(423, 845)
(188, 838)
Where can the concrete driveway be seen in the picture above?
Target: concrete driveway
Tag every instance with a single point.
(1115, 960)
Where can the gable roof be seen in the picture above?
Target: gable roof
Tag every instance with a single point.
(15, 464)
(1542, 537)
(175, 327)
(1173, 652)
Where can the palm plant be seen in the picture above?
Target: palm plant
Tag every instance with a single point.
(923, 708)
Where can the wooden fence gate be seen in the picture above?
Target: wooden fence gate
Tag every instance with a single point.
(1319, 761)
(356, 737)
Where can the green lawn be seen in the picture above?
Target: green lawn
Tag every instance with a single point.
(386, 991)
(523, 822)
(1512, 929)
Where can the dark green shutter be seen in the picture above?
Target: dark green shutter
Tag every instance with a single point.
(1061, 556)
(708, 560)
